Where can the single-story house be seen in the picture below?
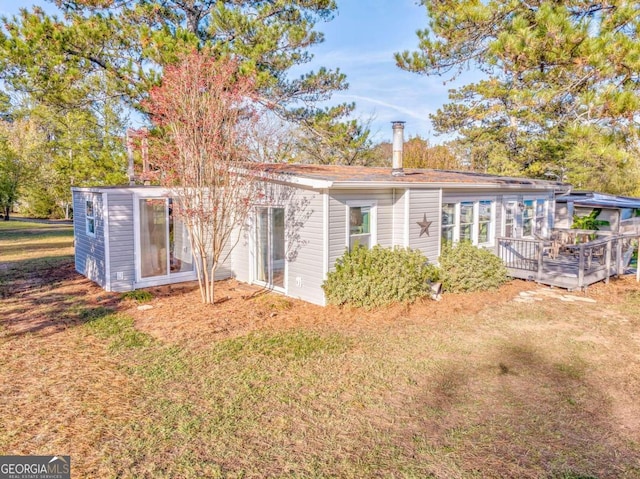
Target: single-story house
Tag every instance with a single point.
(615, 210)
(127, 237)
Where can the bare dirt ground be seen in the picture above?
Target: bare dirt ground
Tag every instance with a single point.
(48, 300)
(176, 313)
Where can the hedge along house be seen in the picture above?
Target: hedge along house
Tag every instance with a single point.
(128, 238)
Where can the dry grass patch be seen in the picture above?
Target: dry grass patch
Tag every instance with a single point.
(259, 385)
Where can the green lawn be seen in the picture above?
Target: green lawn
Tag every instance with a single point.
(532, 390)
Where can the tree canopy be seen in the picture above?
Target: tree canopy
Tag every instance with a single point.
(119, 47)
(560, 93)
(81, 71)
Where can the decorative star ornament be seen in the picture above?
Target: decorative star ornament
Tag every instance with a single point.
(424, 225)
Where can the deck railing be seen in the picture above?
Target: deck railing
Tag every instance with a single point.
(521, 253)
(574, 266)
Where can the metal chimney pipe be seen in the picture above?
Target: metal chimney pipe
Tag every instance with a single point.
(398, 145)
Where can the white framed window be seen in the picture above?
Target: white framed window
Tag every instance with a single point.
(533, 217)
(448, 223)
(540, 217)
(509, 215)
(485, 221)
(469, 221)
(90, 217)
(361, 224)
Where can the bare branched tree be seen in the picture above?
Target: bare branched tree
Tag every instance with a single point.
(204, 114)
(272, 139)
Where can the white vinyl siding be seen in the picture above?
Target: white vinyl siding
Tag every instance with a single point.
(90, 258)
(399, 197)
(304, 236)
(304, 245)
(338, 202)
(121, 244)
(240, 257)
(425, 204)
(315, 228)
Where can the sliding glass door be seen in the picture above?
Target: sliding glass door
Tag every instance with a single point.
(164, 247)
(270, 246)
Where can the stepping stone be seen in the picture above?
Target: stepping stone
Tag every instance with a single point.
(584, 299)
(551, 294)
(568, 299)
(523, 300)
(145, 307)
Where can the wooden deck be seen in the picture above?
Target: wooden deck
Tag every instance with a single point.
(572, 267)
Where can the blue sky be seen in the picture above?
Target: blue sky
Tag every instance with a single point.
(361, 41)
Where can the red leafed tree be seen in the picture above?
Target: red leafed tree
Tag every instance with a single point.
(203, 113)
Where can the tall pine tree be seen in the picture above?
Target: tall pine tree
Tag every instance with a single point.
(125, 44)
(560, 97)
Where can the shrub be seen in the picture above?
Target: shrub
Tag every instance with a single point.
(464, 268)
(379, 276)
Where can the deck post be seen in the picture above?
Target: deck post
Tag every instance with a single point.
(637, 261)
(607, 260)
(618, 255)
(581, 266)
(540, 258)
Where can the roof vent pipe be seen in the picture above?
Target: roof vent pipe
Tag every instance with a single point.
(398, 144)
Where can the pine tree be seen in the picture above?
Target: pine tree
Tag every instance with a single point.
(553, 71)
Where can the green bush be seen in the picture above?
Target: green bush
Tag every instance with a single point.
(37, 204)
(464, 268)
(379, 276)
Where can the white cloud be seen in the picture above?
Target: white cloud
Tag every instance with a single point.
(418, 114)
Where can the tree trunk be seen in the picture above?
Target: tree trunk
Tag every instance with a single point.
(7, 210)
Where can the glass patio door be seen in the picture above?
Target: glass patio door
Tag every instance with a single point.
(270, 246)
(164, 247)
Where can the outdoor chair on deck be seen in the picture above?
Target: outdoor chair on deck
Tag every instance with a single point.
(597, 254)
(554, 249)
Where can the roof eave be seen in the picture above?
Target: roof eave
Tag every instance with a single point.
(443, 185)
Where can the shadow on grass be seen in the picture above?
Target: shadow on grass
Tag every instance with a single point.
(528, 415)
(44, 271)
(25, 234)
(46, 295)
(21, 248)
